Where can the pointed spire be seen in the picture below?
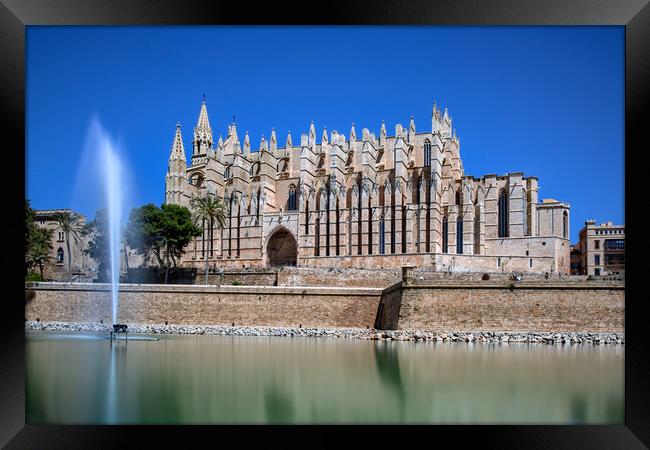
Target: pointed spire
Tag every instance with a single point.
(324, 140)
(177, 151)
(233, 134)
(263, 144)
(202, 132)
(411, 134)
(220, 143)
(446, 115)
(353, 133)
(312, 135)
(273, 140)
(382, 134)
(289, 143)
(247, 144)
(203, 122)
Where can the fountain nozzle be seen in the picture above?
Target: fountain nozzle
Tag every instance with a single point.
(119, 328)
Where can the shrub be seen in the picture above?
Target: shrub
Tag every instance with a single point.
(33, 276)
(236, 283)
(511, 286)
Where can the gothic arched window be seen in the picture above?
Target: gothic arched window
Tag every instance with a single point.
(459, 234)
(445, 233)
(427, 153)
(459, 197)
(503, 213)
(292, 204)
(255, 169)
(565, 224)
(226, 173)
(59, 256)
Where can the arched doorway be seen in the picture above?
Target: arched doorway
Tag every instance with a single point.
(282, 249)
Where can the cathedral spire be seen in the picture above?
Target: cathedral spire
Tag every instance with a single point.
(247, 145)
(324, 140)
(177, 151)
(289, 143)
(312, 135)
(273, 140)
(202, 132)
(382, 134)
(411, 135)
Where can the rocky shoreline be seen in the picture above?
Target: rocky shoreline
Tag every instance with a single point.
(348, 333)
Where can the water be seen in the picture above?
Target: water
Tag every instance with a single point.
(258, 380)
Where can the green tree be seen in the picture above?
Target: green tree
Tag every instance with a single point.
(70, 224)
(39, 250)
(162, 232)
(98, 242)
(210, 209)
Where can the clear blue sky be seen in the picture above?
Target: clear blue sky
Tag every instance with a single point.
(547, 101)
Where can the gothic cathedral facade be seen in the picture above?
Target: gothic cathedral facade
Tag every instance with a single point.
(364, 202)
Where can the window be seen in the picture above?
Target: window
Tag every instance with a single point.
(226, 173)
(503, 213)
(596, 244)
(59, 256)
(459, 235)
(597, 260)
(597, 272)
(445, 233)
(615, 244)
(382, 230)
(498, 262)
(61, 236)
(427, 153)
(292, 204)
(530, 262)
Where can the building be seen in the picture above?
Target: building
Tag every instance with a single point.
(364, 201)
(82, 265)
(600, 251)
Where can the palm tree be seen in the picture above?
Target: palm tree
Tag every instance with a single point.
(212, 210)
(70, 224)
(39, 251)
(39, 255)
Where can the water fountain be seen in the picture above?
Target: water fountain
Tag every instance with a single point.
(111, 173)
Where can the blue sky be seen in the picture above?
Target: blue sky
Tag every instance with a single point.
(547, 101)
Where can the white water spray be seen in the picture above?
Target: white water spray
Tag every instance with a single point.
(114, 202)
(102, 153)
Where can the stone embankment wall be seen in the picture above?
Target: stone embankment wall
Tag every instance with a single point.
(472, 305)
(302, 276)
(203, 305)
(551, 306)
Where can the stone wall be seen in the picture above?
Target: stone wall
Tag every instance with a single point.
(526, 306)
(434, 305)
(201, 305)
(304, 276)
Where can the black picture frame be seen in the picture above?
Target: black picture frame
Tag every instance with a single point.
(16, 14)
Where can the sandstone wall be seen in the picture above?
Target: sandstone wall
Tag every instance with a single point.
(304, 276)
(200, 305)
(492, 306)
(434, 305)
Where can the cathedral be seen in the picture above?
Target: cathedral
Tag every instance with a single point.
(364, 201)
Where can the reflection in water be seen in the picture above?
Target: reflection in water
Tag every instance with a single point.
(278, 406)
(228, 379)
(388, 370)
